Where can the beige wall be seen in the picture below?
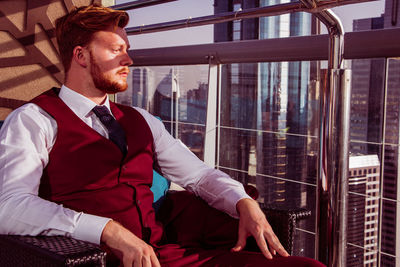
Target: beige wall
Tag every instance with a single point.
(29, 61)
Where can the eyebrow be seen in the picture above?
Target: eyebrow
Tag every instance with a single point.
(119, 45)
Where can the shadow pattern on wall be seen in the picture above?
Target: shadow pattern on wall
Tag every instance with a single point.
(29, 59)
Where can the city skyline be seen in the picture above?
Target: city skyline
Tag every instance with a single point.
(183, 9)
(250, 164)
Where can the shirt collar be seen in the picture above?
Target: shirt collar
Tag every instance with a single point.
(78, 103)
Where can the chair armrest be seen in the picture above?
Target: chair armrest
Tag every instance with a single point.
(283, 222)
(64, 251)
(48, 251)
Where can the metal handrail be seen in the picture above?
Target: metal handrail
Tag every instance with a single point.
(140, 4)
(357, 45)
(332, 189)
(320, 6)
(334, 119)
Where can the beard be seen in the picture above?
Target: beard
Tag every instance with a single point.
(103, 81)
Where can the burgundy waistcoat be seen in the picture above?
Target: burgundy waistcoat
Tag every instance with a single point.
(86, 172)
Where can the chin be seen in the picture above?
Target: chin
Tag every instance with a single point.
(116, 88)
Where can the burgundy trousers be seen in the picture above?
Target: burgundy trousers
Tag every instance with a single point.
(198, 235)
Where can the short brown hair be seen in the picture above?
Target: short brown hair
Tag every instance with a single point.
(79, 25)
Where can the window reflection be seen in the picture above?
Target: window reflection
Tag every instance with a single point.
(268, 137)
(177, 95)
(269, 127)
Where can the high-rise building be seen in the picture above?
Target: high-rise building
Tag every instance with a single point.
(276, 94)
(363, 211)
(140, 90)
(142, 83)
(375, 120)
(273, 98)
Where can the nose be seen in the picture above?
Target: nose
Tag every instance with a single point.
(127, 60)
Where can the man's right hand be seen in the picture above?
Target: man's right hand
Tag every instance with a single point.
(131, 250)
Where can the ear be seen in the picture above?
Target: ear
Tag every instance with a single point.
(79, 55)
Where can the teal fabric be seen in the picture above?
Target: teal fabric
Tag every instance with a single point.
(159, 188)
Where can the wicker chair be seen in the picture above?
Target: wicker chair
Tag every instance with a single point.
(42, 251)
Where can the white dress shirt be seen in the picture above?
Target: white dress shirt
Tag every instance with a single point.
(28, 135)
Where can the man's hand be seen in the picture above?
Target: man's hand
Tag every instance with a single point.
(131, 250)
(252, 221)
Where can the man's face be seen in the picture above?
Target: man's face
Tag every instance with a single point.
(109, 60)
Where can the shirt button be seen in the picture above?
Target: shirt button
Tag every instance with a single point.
(139, 202)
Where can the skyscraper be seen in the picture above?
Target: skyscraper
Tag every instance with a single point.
(265, 111)
(375, 130)
(363, 202)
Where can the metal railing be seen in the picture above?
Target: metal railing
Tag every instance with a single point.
(335, 99)
(319, 8)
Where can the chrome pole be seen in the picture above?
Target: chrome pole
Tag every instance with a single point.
(331, 240)
(331, 237)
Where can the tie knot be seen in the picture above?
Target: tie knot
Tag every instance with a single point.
(115, 131)
(103, 113)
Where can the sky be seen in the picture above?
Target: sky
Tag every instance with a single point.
(183, 9)
(358, 11)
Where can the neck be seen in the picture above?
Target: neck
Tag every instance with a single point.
(86, 88)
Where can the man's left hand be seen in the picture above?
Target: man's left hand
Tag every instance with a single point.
(252, 221)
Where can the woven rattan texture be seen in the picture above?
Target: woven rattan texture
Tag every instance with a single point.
(44, 251)
(41, 251)
(283, 221)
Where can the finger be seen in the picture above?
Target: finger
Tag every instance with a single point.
(275, 245)
(273, 251)
(136, 263)
(154, 260)
(281, 251)
(241, 243)
(146, 261)
(262, 244)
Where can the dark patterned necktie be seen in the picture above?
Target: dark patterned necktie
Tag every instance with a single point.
(115, 131)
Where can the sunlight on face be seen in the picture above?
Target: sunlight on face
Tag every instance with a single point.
(105, 81)
(109, 60)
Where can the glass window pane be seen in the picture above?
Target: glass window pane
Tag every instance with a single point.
(279, 97)
(192, 90)
(388, 261)
(367, 98)
(174, 94)
(371, 107)
(290, 195)
(391, 185)
(390, 178)
(193, 137)
(355, 256)
(393, 102)
(304, 244)
(283, 155)
(389, 221)
(171, 11)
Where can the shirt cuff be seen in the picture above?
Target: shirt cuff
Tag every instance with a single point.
(234, 200)
(90, 227)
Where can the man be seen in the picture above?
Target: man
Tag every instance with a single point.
(70, 168)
